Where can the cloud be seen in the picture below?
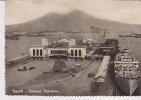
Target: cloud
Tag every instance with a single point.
(18, 11)
(127, 12)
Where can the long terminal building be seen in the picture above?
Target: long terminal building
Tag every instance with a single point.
(72, 50)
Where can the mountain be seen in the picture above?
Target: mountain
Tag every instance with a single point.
(73, 21)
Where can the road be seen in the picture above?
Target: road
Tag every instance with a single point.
(77, 85)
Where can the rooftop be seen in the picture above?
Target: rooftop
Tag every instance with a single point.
(37, 46)
(102, 69)
(57, 46)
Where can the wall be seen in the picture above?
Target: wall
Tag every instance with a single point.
(39, 48)
(49, 50)
(83, 52)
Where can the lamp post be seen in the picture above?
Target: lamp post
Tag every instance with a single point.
(46, 81)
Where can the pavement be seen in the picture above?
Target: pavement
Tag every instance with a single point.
(78, 85)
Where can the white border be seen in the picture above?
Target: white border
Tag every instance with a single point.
(2, 73)
(2, 46)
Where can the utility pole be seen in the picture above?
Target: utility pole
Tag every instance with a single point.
(46, 81)
(104, 35)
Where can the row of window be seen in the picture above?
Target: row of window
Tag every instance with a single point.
(58, 52)
(129, 75)
(37, 52)
(127, 68)
(75, 52)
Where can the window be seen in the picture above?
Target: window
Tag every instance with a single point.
(60, 52)
(57, 51)
(79, 52)
(65, 52)
(72, 53)
(51, 52)
(33, 52)
(124, 68)
(41, 52)
(37, 52)
(75, 52)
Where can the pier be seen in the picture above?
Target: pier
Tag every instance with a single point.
(102, 71)
(17, 60)
(100, 79)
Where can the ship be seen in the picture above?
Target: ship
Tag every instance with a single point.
(127, 72)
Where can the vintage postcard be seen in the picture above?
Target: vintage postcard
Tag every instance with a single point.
(73, 47)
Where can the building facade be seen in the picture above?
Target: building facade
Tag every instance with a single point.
(37, 51)
(42, 52)
(70, 51)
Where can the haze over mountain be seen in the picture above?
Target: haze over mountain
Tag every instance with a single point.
(73, 21)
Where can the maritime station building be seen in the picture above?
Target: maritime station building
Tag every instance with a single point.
(65, 49)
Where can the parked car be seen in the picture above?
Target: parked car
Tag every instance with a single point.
(73, 70)
(31, 68)
(22, 69)
(91, 75)
(73, 75)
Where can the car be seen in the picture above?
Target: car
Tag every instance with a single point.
(23, 69)
(73, 75)
(73, 70)
(31, 68)
(91, 75)
(78, 65)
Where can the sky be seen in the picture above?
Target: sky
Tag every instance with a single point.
(20, 11)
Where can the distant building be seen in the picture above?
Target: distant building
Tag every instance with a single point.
(72, 42)
(45, 42)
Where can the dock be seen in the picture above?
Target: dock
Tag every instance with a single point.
(102, 71)
(101, 81)
(17, 60)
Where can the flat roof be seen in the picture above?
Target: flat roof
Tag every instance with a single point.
(103, 67)
(60, 47)
(41, 46)
(23, 56)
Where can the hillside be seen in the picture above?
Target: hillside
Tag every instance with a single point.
(73, 21)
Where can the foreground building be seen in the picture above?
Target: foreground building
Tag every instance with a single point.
(72, 50)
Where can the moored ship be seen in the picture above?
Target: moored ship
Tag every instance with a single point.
(127, 72)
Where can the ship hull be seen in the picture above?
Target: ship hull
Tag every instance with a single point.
(128, 86)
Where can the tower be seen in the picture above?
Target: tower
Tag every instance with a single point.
(45, 42)
(72, 42)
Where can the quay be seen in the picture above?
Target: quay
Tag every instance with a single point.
(17, 60)
(102, 71)
(101, 83)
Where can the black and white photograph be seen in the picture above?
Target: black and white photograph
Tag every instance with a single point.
(73, 47)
